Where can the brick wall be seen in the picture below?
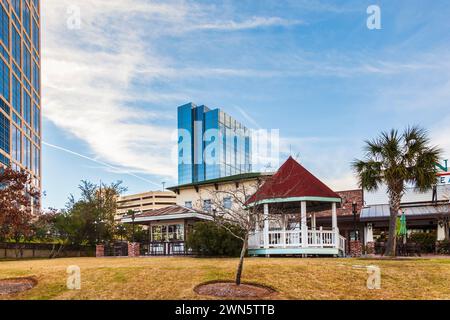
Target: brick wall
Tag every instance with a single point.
(133, 249)
(346, 208)
(370, 247)
(356, 248)
(99, 250)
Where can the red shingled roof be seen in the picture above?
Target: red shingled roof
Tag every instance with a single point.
(292, 180)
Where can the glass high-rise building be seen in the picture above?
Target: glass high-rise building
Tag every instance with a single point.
(20, 88)
(211, 145)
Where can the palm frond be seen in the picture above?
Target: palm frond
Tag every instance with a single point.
(369, 174)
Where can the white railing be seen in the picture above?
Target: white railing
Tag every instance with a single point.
(289, 239)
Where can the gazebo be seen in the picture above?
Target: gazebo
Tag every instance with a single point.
(288, 202)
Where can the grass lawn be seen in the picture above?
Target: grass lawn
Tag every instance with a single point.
(175, 278)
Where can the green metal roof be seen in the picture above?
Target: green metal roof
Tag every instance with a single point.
(237, 177)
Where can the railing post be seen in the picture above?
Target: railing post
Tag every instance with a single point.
(266, 225)
(334, 224)
(304, 224)
(283, 235)
(321, 237)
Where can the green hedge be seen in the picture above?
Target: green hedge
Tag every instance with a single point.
(427, 241)
(208, 239)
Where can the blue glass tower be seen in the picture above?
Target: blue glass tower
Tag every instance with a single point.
(211, 145)
(20, 86)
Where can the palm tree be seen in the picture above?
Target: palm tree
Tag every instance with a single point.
(397, 160)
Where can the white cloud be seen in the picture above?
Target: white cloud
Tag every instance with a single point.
(440, 135)
(252, 23)
(89, 74)
(87, 78)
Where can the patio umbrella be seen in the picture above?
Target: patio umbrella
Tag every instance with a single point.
(402, 230)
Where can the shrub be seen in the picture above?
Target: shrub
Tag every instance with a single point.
(444, 247)
(208, 239)
(427, 241)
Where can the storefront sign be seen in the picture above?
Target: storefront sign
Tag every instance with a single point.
(444, 174)
(444, 179)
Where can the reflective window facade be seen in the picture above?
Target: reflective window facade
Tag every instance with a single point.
(211, 145)
(20, 86)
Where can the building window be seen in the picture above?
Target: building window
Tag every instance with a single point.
(16, 46)
(16, 6)
(207, 205)
(173, 232)
(36, 119)
(158, 232)
(4, 80)
(26, 152)
(26, 62)
(16, 144)
(35, 77)
(4, 133)
(36, 157)
(4, 27)
(227, 202)
(35, 35)
(26, 17)
(4, 159)
(188, 204)
(16, 95)
(27, 107)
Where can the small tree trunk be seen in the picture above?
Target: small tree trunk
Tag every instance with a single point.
(391, 246)
(241, 260)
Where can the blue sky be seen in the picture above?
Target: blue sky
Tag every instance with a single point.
(307, 67)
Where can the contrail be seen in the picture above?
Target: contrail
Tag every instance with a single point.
(99, 162)
(248, 117)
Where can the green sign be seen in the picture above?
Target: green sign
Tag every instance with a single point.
(443, 167)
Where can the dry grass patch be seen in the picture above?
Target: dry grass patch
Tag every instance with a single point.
(176, 277)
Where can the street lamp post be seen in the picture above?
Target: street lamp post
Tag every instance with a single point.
(354, 210)
(133, 216)
(96, 231)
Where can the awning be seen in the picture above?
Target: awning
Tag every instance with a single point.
(382, 212)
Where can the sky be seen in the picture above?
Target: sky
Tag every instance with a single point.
(114, 72)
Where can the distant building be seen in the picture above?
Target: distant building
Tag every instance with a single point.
(211, 145)
(146, 201)
(424, 212)
(197, 195)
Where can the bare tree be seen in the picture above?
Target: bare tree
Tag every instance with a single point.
(228, 206)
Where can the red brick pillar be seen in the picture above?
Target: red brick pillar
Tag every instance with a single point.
(370, 247)
(99, 250)
(133, 249)
(355, 248)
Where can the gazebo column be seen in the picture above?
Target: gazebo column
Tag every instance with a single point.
(334, 224)
(266, 225)
(304, 224)
(313, 228)
(313, 221)
(283, 228)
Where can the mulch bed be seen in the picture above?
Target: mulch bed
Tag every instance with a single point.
(225, 289)
(16, 285)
